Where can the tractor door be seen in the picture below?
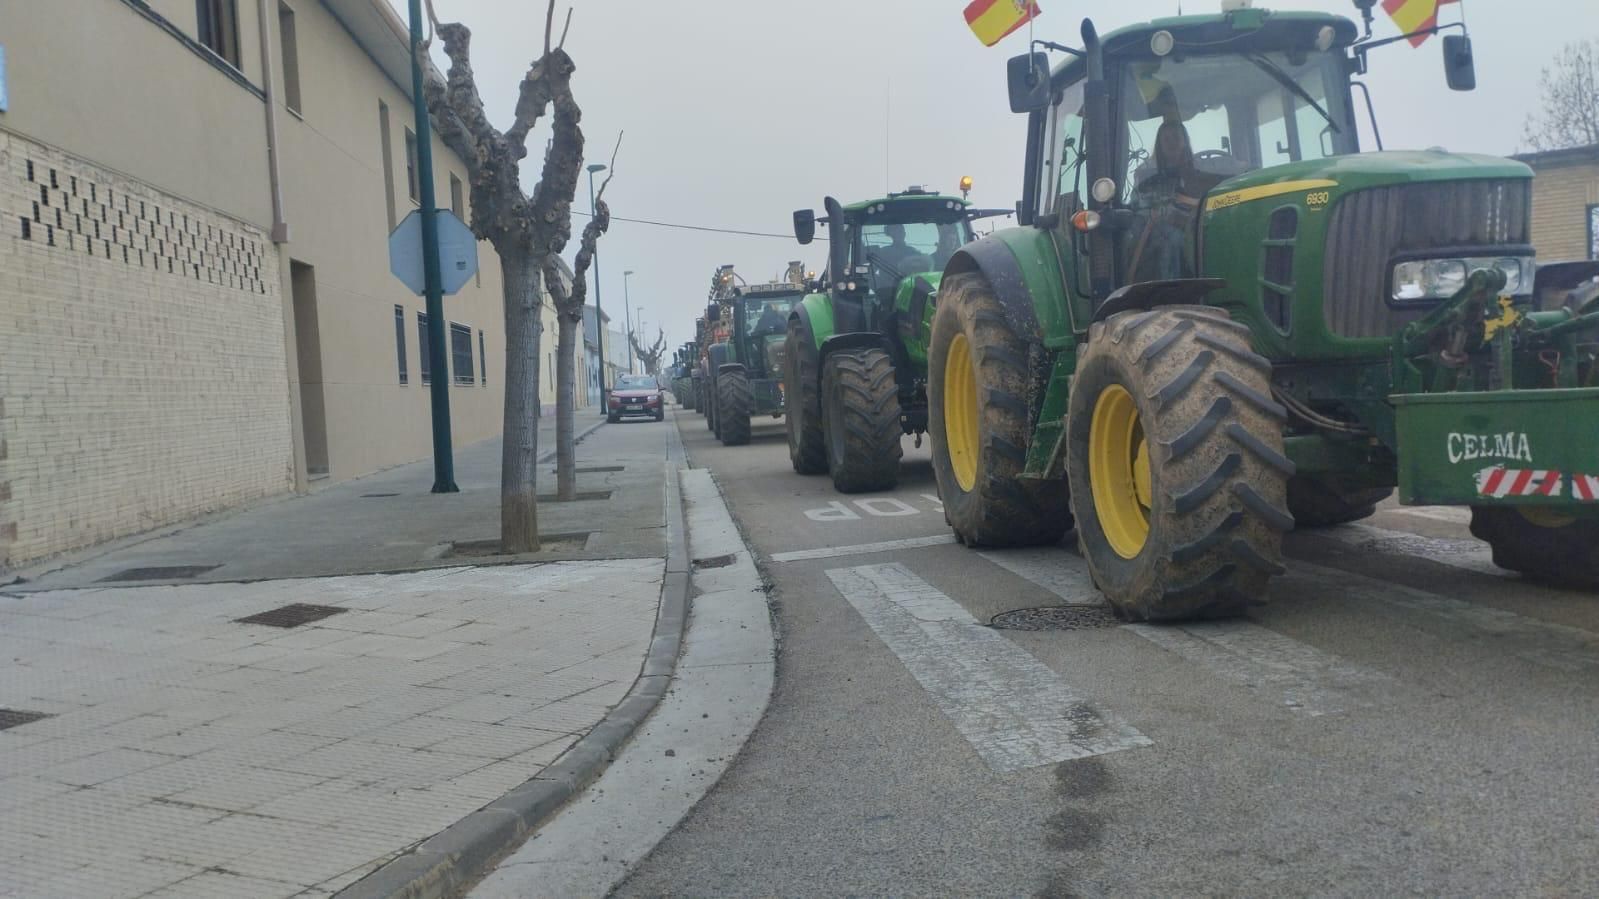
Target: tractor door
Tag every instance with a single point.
(1062, 189)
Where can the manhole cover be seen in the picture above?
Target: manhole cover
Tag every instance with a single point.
(160, 573)
(10, 718)
(714, 562)
(1055, 618)
(292, 615)
(592, 469)
(377, 495)
(582, 496)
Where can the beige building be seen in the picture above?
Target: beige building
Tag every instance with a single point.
(1565, 203)
(196, 308)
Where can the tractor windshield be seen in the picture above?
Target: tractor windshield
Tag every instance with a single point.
(1192, 122)
(910, 239)
(768, 316)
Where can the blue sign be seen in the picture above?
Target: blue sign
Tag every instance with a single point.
(4, 103)
(457, 252)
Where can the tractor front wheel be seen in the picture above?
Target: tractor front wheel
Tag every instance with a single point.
(860, 400)
(733, 401)
(1175, 459)
(980, 425)
(802, 397)
(1541, 543)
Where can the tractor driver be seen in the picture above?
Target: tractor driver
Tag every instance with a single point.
(895, 261)
(1171, 199)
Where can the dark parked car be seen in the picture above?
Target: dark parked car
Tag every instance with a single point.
(635, 395)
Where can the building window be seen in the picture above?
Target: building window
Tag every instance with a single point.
(388, 159)
(482, 361)
(457, 199)
(461, 354)
(218, 27)
(1593, 232)
(399, 343)
(289, 46)
(423, 356)
(410, 167)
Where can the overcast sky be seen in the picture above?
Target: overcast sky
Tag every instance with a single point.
(737, 112)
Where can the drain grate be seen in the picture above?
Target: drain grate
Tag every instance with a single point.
(714, 562)
(159, 573)
(10, 718)
(1055, 618)
(292, 615)
(377, 495)
(593, 469)
(582, 496)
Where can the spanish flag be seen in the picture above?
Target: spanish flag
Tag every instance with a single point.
(1414, 15)
(992, 20)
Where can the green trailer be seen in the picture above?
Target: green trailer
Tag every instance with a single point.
(1220, 318)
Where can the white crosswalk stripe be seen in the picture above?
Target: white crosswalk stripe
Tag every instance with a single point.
(1470, 555)
(1062, 573)
(861, 549)
(1013, 709)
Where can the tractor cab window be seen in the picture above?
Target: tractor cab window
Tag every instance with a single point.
(1060, 186)
(1190, 123)
(896, 250)
(768, 317)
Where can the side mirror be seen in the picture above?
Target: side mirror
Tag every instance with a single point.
(1460, 67)
(713, 313)
(804, 225)
(1027, 77)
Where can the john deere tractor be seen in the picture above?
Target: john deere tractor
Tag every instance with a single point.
(856, 351)
(1220, 318)
(746, 364)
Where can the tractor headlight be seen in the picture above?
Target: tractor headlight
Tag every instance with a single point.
(1440, 279)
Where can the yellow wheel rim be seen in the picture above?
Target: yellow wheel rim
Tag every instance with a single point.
(960, 412)
(1545, 517)
(1118, 471)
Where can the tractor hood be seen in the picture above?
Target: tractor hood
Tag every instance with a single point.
(1338, 175)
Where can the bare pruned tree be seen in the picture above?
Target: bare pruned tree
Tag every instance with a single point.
(527, 232)
(1570, 90)
(651, 357)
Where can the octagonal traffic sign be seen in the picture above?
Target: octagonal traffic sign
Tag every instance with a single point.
(457, 252)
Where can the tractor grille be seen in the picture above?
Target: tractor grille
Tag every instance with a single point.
(1370, 227)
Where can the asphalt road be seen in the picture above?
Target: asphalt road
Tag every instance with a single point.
(1401, 719)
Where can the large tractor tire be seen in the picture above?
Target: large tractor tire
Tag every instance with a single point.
(860, 402)
(1176, 465)
(1544, 544)
(710, 407)
(802, 396)
(733, 402)
(980, 425)
(1317, 503)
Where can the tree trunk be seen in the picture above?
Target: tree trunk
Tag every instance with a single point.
(565, 409)
(519, 521)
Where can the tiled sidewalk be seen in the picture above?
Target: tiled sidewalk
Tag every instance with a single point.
(188, 754)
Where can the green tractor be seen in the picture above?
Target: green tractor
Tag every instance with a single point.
(745, 365)
(1219, 318)
(855, 357)
(683, 374)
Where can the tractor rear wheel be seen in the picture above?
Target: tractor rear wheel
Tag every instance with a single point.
(1175, 459)
(860, 400)
(980, 424)
(802, 396)
(1317, 503)
(733, 403)
(1541, 543)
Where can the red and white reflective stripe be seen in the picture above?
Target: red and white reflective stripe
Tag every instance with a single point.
(1502, 482)
(1585, 487)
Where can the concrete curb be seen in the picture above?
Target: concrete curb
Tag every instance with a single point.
(441, 865)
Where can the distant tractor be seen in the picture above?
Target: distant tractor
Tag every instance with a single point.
(682, 374)
(1219, 318)
(856, 349)
(746, 366)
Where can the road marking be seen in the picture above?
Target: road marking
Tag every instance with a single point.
(861, 549)
(1014, 710)
(933, 498)
(1060, 571)
(1311, 682)
(1542, 643)
(1470, 555)
(1451, 514)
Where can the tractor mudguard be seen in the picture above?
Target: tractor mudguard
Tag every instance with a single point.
(815, 312)
(1022, 269)
(729, 366)
(718, 356)
(1150, 294)
(857, 340)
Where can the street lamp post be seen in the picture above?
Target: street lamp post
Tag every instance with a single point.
(599, 321)
(627, 299)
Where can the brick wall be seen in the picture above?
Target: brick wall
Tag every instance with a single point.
(1561, 195)
(143, 377)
